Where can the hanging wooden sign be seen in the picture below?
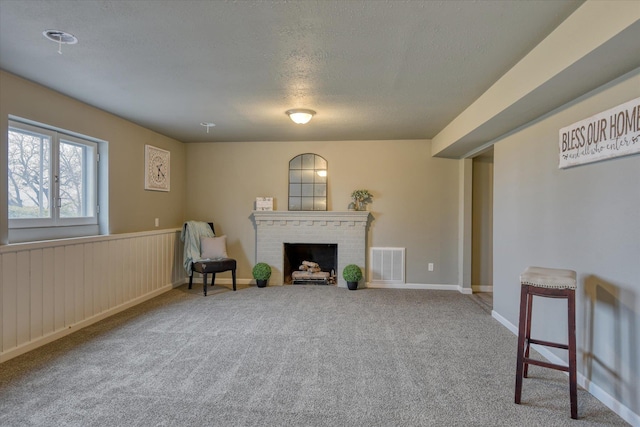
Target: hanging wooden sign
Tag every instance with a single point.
(612, 133)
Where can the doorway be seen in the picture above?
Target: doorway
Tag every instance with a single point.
(482, 228)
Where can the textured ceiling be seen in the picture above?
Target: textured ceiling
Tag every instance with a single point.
(371, 69)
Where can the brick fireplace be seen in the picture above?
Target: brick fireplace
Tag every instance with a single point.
(348, 230)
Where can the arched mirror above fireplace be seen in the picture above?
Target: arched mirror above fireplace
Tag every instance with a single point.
(308, 183)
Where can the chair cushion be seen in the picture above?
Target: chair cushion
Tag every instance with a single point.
(213, 247)
(549, 278)
(215, 266)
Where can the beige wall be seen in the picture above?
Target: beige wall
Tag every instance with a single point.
(583, 218)
(131, 208)
(415, 202)
(415, 196)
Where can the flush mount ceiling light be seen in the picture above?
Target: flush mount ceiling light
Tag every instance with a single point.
(60, 37)
(300, 116)
(207, 125)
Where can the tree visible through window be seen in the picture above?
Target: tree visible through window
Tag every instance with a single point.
(51, 178)
(75, 165)
(29, 174)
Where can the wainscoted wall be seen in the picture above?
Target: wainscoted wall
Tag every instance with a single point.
(51, 289)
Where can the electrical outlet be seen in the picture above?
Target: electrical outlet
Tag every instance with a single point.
(157, 222)
(430, 266)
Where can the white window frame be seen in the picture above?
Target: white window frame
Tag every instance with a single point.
(31, 229)
(90, 176)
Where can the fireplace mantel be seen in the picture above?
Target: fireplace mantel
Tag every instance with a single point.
(360, 218)
(347, 229)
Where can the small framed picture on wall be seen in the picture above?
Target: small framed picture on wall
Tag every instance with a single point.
(157, 164)
(264, 203)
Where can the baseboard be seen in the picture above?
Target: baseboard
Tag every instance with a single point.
(510, 326)
(482, 288)
(219, 281)
(32, 345)
(228, 281)
(596, 391)
(418, 286)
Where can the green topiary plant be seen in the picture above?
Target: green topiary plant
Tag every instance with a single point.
(352, 273)
(261, 271)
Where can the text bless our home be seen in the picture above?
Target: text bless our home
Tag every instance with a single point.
(612, 133)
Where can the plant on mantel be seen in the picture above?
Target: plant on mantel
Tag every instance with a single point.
(361, 198)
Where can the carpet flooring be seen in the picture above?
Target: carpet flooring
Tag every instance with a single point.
(289, 356)
(484, 299)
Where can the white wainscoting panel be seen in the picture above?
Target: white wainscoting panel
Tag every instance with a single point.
(50, 289)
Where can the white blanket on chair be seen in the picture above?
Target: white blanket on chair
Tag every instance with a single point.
(190, 235)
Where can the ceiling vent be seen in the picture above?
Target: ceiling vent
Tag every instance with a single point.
(60, 37)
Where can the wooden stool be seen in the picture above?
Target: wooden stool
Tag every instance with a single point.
(548, 283)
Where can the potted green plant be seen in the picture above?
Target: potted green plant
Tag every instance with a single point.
(261, 272)
(352, 274)
(361, 198)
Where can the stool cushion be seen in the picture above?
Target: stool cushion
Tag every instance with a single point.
(549, 278)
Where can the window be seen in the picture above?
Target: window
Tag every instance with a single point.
(52, 179)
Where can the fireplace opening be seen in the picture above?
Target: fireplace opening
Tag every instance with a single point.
(310, 263)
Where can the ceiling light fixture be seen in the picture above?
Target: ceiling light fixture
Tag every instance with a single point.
(60, 37)
(207, 125)
(300, 116)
